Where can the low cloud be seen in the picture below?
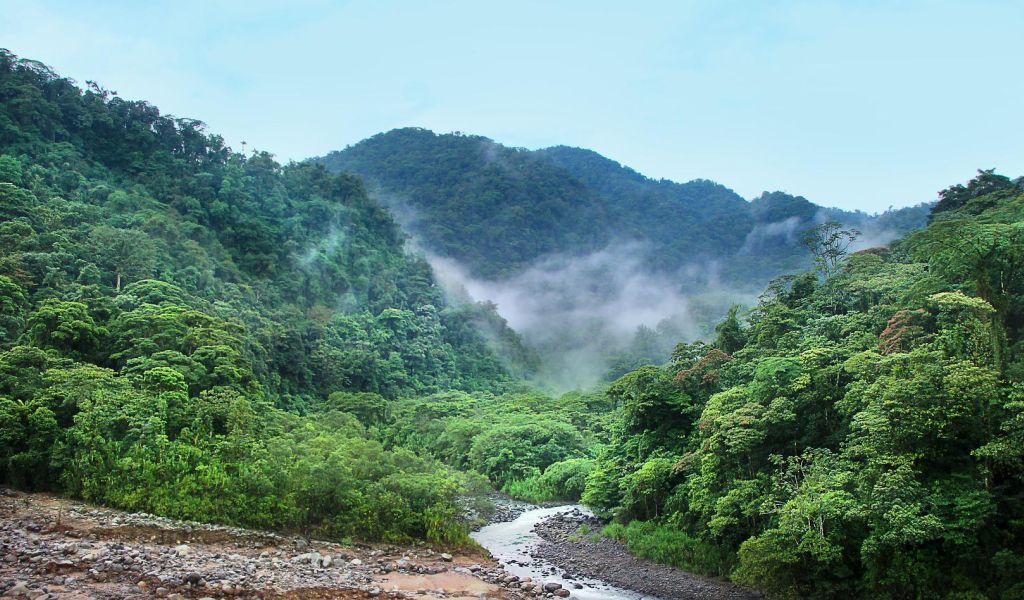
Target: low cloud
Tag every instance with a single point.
(578, 311)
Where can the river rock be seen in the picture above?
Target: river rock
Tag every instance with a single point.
(312, 558)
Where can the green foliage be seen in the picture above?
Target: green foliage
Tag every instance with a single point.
(497, 209)
(66, 327)
(855, 437)
(169, 309)
(669, 545)
(529, 444)
(986, 183)
(564, 481)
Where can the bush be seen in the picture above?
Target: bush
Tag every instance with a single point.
(669, 545)
(564, 480)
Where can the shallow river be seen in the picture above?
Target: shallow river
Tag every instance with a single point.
(511, 543)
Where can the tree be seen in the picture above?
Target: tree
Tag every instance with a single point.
(829, 243)
(369, 408)
(730, 335)
(10, 170)
(65, 326)
(956, 196)
(12, 310)
(129, 253)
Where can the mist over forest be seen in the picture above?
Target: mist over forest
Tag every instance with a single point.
(361, 362)
(600, 269)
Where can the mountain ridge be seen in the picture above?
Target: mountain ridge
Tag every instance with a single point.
(466, 201)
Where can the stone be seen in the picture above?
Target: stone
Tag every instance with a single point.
(312, 558)
(446, 557)
(551, 586)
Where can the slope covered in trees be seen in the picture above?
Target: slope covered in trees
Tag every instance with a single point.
(169, 309)
(599, 268)
(497, 209)
(198, 333)
(859, 433)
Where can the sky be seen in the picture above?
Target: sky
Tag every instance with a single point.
(858, 104)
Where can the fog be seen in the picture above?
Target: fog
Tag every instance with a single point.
(582, 313)
(579, 311)
(787, 231)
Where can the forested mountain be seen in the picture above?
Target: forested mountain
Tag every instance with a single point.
(497, 210)
(598, 267)
(161, 296)
(859, 433)
(200, 333)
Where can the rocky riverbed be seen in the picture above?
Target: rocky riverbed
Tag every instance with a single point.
(52, 548)
(571, 543)
(507, 509)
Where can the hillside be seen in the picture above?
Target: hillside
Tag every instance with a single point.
(497, 210)
(172, 312)
(598, 267)
(210, 336)
(858, 433)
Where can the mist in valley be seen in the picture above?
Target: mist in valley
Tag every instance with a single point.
(594, 316)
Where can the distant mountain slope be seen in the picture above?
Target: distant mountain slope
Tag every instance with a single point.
(489, 207)
(106, 194)
(496, 209)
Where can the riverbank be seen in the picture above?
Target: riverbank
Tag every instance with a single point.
(544, 547)
(52, 548)
(572, 543)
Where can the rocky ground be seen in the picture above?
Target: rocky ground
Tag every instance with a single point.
(506, 509)
(598, 557)
(52, 548)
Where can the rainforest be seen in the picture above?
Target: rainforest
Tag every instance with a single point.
(832, 407)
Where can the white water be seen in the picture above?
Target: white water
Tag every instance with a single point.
(511, 542)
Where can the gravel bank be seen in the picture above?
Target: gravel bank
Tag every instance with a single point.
(598, 557)
(52, 548)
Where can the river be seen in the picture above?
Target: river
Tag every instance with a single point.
(512, 544)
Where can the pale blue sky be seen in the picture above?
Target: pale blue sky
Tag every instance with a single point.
(854, 104)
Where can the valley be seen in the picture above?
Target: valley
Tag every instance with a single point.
(223, 375)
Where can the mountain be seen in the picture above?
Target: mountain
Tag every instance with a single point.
(171, 311)
(208, 335)
(598, 267)
(858, 434)
(497, 210)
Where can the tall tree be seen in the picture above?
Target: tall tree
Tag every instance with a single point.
(129, 253)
